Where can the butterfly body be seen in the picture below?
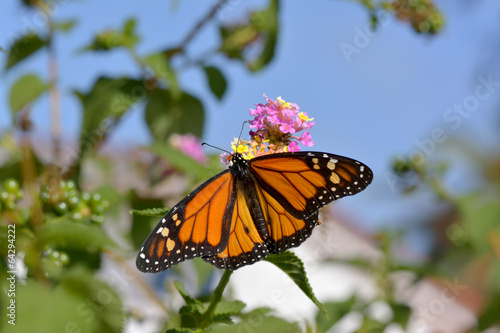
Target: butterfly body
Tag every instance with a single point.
(257, 207)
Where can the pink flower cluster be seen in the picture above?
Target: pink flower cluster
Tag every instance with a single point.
(278, 121)
(274, 130)
(190, 145)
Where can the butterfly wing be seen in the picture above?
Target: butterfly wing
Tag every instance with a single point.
(197, 226)
(245, 245)
(284, 230)
(303, 182)
(292, 187)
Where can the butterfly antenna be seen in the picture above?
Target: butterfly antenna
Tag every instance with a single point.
(206, 144)
(241, 132)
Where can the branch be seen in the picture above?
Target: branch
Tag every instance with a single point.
(196, 29)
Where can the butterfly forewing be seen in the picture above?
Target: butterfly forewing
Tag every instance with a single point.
(304, 182)
(197, 226)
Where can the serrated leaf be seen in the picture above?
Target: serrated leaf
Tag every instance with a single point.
(182, 291)
(152, 212)
(257, 322)
(24, 47)
(166, 115)
(289, 263)
(229, 308)
(180, 330)
(216, 81)
(25, 90)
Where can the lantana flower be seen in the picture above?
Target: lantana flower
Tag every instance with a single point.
(274, 129)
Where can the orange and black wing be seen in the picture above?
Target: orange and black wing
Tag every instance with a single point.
(292, 187)
(245, 245)
(197, 226)
(303, 182)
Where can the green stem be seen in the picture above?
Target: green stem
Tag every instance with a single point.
(216, 298)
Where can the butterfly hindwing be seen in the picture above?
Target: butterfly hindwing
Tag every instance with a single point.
(284, 230)
(303, 182)
(245, 245)
(197, 226)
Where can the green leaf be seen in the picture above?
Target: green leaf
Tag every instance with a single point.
(257, 36)
(153, 212)
(25, 90)
(258, 320)
(99, 302)
(335, 311)
(142, 225)
(489, 316)
(159, 64)
(289, 263)
(216, 81)
(75, 236)
(108, 100)
(60, 310)
(182, 291)
(267, 22)
(179, 160)
(230, 308)
(166, 115)
(23, 48)
(480, 215)
(401, 313)
(112, 39)
(65, 26)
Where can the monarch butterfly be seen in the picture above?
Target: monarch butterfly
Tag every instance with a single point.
(260, 206)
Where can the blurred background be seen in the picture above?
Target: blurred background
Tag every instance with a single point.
(93, 95)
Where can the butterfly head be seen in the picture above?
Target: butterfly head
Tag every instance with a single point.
(238, 164)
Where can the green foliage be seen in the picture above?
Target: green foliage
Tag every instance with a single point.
(25, 90)
(289, 263)
(195, 315)
(65, 26)
(216, 81)
(24, 47)
(112, 39)
(166, 114)
(159, 64)
(104, 105)
(260, 31)
(152, 212)
(180, 161)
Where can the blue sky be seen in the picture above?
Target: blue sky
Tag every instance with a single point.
(389, 97)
